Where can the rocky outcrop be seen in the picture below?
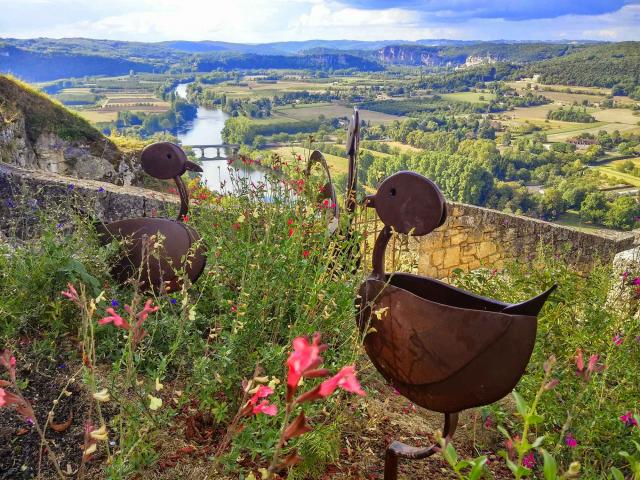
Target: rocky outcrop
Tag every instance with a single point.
(37, 133)
(416, 55)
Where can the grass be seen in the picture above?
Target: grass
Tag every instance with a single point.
(471, 97)
(331, 110)
(592, 129)
(621, 176)
(42, 114)
(571, 218)
(337, 165)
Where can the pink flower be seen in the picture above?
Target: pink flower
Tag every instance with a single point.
(3, 397)
(305, 357)
(114, 318)
(345, 379)
(529, 460)
(629, 419)
(570, 441)
(8, 361)
(579, 361)
(266, 408)
(146, 310)
(635, 281)
(262, 392)
(617, 340)
(71, 293)
(488, 423)
(625, 275)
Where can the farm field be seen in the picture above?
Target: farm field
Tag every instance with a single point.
(331, 110)
(337, 165)
(264, 90)
(403, 147)
(608, 127)
(619, 176)
(572, 219)
(471, 97)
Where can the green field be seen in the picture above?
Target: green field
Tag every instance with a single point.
(471, 97)
(337, 165)
(311, 111)
(619, 176)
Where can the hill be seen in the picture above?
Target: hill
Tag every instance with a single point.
(36, 132)
(604, 65)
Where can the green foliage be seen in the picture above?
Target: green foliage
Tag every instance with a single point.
(585, 313)
(571, 115)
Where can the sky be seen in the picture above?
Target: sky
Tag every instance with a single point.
(261, 21)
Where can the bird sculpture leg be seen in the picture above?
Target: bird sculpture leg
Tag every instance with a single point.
(400, 450)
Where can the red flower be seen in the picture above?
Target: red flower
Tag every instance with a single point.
(114, 318)
(262, 392)
(629, 419)
(345, 379)
(291, 231)
(71, 293)
(290, 222)
(185, 218)
(234, 309)
(304, 358)
(266, 408)
(305, 254)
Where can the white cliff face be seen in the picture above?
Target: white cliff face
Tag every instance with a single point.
(67, 157)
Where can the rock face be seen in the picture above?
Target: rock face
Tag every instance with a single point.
(37, 133)
(416, 55)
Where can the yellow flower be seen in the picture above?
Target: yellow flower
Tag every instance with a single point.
(102, 395)
(154, 402)
(100, 434)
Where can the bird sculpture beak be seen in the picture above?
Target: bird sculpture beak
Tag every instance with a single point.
(193, 167)
(370, 201)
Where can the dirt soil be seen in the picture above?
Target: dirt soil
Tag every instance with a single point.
(379, 418)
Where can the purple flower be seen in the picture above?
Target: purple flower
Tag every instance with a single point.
(529, 460)
(59, 225)
(635, 281)
(70, 187)
(570, 441)
(173, 301)
(115, 303)
(617, 340)
(101, 189)
(10, 203)
(629, 419)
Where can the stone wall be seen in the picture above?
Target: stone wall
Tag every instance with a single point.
(470, 238)
(473, 237)
(41, 191)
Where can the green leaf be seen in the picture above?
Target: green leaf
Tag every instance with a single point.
(550, 466)
(521, 404)
(478, 468)
(450, 455)
(535, 419)
(537, 442)
(616, 474)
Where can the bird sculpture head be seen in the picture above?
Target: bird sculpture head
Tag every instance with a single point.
(409, 203)
(165, 160)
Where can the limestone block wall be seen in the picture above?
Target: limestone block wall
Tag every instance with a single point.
(474, 237)
(43, 190)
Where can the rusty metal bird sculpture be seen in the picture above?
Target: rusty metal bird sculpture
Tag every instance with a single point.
(442, 347)
(181, 248)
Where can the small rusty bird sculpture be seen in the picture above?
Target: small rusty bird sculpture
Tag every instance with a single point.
(442, 347)
(181, 249)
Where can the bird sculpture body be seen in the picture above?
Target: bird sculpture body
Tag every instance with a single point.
(181, 248)
(442, 347)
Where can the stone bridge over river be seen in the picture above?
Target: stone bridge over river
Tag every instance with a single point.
(205, 152)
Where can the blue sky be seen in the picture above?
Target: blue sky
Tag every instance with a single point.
(254, 21)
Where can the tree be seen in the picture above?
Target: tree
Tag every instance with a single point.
(622, 213)
(594, 207)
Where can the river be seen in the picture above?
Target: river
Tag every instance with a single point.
(206, 129)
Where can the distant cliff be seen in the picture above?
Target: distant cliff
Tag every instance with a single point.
(38, 133)
(418, 55)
